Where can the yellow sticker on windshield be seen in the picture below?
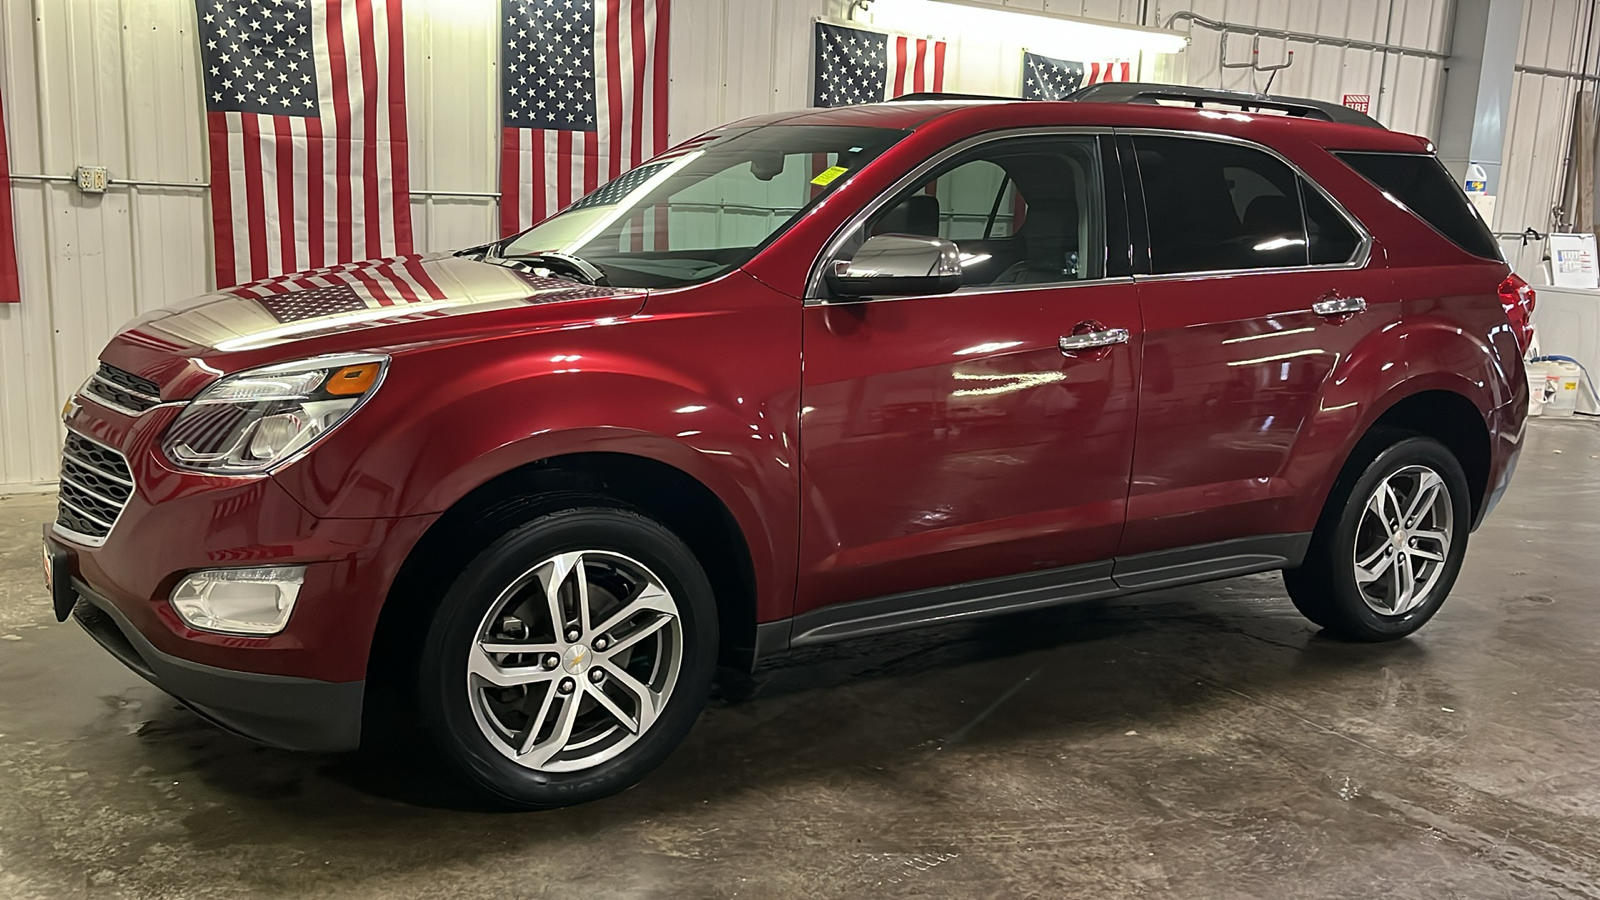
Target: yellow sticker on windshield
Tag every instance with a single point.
(829, 175)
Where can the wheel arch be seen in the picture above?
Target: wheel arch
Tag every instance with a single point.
(666, 493)
(1453, 420)
(1439, 406)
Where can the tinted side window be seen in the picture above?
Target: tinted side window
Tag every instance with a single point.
(1216, 206)
(978, 201)
(1421, 183)
(1022, 211)
(1329, 233)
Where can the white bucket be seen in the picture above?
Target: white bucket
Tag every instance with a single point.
(1539, 388)
(1564, 379)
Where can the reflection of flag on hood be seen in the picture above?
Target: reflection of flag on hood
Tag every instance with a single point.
(334, 290)
(1047, 78)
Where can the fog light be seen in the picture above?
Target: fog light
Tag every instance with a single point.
(239, 601)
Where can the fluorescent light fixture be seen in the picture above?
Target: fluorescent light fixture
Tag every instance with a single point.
(1052, 34)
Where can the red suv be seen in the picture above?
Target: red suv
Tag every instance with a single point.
(810, 376)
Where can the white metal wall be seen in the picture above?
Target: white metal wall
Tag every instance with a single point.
(109, 82)
(113, 82)
(1551, 68)
(1405, 88)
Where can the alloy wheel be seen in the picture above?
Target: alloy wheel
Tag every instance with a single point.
(1403, 540)
(575, 660)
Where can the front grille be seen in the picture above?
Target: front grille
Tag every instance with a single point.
(95, 485)
(123, 390)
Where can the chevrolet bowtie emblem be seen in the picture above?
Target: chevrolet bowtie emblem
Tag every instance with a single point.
(576, 659)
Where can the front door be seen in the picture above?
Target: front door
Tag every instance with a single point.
(948, 439)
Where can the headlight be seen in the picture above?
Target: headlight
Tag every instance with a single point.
(254, 420)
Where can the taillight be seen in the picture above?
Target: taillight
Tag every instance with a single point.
(1518, 299)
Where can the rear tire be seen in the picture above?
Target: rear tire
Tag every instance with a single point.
(1389, 544)
(569, 658)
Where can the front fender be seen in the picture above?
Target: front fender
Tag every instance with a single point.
(423, 458)
(706, 384)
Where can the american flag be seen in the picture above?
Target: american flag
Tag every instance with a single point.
(10, 287)
(854, 65)
(1048, 78)
(305, 106)
(583, 99)
(1110, 70)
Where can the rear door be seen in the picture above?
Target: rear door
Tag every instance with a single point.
(948, 439)
(1260, 285)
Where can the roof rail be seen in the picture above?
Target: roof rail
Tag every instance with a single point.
(1137, 92)
(941, 95)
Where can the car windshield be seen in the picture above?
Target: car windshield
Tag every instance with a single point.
(705, 207)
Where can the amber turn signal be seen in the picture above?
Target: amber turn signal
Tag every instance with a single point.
(352, 380)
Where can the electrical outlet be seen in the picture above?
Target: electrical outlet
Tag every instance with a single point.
(93, 179)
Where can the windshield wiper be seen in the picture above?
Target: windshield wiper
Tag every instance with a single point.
(563, 264)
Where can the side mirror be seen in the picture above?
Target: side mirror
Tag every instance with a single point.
(898, 265)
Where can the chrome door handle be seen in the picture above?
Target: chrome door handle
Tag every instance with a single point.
(1339, 306)
(1089, 340)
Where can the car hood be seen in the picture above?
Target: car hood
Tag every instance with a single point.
(370, 305)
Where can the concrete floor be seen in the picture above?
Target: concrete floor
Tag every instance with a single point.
(1202, 742)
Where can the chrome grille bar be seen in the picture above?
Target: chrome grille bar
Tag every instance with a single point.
(153, 399)
(109, 476)
(86, 514)
(80, 486)
(96, 485)
(122, 391)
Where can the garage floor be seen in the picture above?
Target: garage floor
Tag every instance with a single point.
(1202, 742)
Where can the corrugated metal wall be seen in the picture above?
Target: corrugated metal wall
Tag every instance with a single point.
(1551, 68)
(1405, 88)
(101, 82)
(113, 82)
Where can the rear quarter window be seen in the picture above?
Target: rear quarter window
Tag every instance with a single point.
(1422, 184)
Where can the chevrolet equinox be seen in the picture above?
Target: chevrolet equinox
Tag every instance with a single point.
(810, 376)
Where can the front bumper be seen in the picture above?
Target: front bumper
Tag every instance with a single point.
(176, 522)
(301, 688)
(284, 711)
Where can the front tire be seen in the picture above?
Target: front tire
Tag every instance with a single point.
(570, 657)
(1389, 544)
